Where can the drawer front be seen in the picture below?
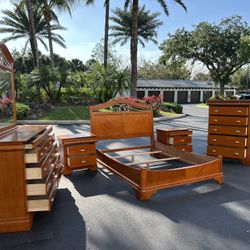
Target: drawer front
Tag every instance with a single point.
(232, 141)
(81, 161)
(225, 111)
(228, 130)
(34, 156)
(188, 148)
(81, 149)
(228, 120)
(235, 153)
(179, 140)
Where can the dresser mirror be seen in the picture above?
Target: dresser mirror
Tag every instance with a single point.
(7, 92)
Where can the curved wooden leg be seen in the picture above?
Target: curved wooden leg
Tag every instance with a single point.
(145, 195)
(67, 171)
(219, 179)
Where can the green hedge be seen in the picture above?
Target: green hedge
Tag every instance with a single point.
(172, 107)
(22, 111)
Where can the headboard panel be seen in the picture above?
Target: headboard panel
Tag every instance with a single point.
(124, 119)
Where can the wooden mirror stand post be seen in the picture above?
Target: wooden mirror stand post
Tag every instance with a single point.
(30, 167)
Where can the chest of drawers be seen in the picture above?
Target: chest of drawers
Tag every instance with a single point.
(229, 129)
(30, 172)
(78, 152)
(180, 138)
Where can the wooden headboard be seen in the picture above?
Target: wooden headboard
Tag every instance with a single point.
(121, 119)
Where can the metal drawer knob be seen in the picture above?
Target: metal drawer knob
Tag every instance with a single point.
(215, 129)
(83, 161)
(52, 199)
(239, 111)
(237, 131)
(82, 150)
(215, 120)
(216, 110)
(41, 153)
(214, 140)
(238, 121)
(237, 142)
(236, 153)
(182, 140)
(214, 150)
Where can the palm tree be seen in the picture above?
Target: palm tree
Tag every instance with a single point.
(134, 37)
(17, 24)
(147, 26)
(48, 6)
(106, 30)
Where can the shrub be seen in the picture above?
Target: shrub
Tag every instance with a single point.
(22, 111)
(172, 107)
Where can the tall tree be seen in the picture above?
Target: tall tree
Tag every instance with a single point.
(17, 24)
(106, 30)
(223, 48)
(147, 26)
(134, 38)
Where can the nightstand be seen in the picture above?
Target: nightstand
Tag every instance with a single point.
(78, 152)
(180, 138)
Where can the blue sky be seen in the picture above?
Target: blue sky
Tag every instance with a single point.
(85, 27)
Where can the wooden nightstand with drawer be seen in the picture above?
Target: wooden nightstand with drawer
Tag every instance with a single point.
(180, 138)
(78, 152)
(229, 130)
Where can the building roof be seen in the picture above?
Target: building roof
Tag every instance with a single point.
(141, 83)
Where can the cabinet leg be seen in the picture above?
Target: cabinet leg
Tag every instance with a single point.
(93, 168)
(67, 171)
(145, 195)
(245, 161)
(219, 179)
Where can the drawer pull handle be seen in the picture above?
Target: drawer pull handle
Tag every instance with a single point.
(83, 161)
(239, 111)
(182, 140)
(52, 199)
(236, 153)
(82, 150)
(45, 169)
(41, 153)
(214, 150)
(183, 149)
(237, 131)
(238, 121)
(215, 129)
(215, 120)
(216, 110)
(237, 142)
(214, 139)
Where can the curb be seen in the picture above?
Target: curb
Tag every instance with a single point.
(80, 122)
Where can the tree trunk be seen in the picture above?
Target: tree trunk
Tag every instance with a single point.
(106, 34)
(32, 33)
(47, 17)
(222, 88)
(134, 44)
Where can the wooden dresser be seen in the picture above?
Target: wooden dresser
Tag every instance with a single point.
(229, 129)
(30, 171)
(180, 138)
(78, 152)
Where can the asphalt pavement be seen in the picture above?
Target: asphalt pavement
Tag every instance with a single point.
(100, 211)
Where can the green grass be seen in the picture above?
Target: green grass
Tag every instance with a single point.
(68, 112)
(202, 105)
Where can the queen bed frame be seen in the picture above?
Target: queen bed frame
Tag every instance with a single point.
(122, 119)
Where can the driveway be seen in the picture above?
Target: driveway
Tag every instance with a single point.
(99, 211)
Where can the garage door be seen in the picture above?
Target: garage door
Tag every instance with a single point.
(155, 93)
(229, 93)
(140, 94)
(182, 96)
(207, 95)
(195, 96)
(168, 96)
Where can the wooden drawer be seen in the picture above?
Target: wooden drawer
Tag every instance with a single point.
(188, 148)
(34, 189)
(81, 161)
(179, 140)
(34, 156)
(232, 141)
(227, 130)
(39, 171)
(233, 111)
(228, 120)
(81, 149)
(236, 153)
(44, 203)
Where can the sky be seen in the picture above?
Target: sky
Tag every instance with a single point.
(86, 25)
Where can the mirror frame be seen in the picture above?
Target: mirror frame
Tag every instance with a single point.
(10, 68)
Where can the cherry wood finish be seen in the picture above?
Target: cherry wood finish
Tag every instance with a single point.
(229, 129)
(20, 183)
(180, 138)
(78, 152)
(146, 181)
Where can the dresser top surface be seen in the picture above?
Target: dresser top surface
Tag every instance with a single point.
(229, 102)
(83, 135)
(22, 134)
